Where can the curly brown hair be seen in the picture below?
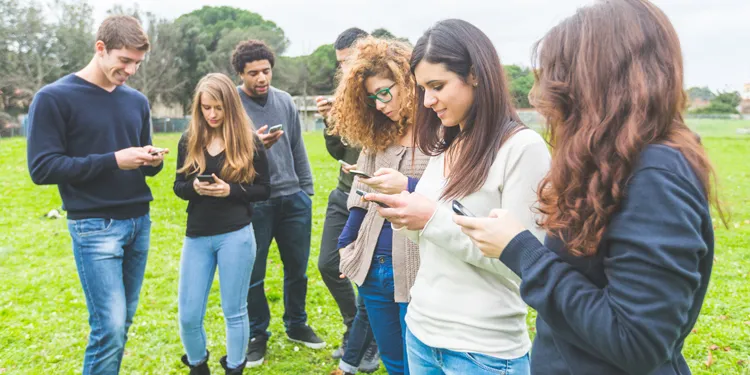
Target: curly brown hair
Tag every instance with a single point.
(605, 102)
(351, 117)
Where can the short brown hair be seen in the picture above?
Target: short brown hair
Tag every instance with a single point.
(121, 31)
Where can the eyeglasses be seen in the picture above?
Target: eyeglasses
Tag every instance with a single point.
(383, 95)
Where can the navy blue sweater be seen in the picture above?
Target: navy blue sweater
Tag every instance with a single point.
(628, 309)
(75, 127)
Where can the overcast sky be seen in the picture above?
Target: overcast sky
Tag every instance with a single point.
(715, 35)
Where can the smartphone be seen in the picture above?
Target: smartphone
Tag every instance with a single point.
(345, 164)
(460, 209)
(360, 173)
(206, 178)
(363, 193)
(157, 151)
(274, 128)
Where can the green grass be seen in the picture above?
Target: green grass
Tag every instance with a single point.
(43, 319)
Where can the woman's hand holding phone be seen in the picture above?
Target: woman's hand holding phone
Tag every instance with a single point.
(218, 189)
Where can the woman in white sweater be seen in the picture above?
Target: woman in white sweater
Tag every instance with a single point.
(466, 315)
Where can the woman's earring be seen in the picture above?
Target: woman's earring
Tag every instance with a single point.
(476, 84)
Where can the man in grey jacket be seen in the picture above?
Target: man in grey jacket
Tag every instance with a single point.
(287, 215)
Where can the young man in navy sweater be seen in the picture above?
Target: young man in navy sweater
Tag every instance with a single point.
(90, 135)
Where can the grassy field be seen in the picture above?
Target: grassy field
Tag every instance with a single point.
(43, 324)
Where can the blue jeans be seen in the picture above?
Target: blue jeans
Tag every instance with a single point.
(111, 258)
(385, 314)
(426, 360)
(234, 253)
(288, 220)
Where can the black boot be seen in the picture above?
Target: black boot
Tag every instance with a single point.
(200, 369)
(231, 371)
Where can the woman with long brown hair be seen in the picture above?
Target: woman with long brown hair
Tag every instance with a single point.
(620, 279)
(374, 109)
(466, 315)
(221, 169)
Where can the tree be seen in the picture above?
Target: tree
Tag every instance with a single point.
(385, 34)
(36, 50)
(216, 21)
(724, 102)
(209, 36)
(703, 93)
(521, 80)
(291, 74)
(321, 65)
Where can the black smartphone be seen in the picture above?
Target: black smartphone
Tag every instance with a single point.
(363, 193)
(206, 178)
(359, 173)
(460, 209)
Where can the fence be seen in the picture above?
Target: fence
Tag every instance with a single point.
(311, 121)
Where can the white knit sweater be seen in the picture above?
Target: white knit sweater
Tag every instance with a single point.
(462, 300)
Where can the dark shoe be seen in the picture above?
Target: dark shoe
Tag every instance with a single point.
(231, 371)
(371, 360)
(199, 369)
(256, 351)
(339, 352)
(306, 336)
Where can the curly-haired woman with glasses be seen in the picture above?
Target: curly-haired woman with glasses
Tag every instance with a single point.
(374, 108)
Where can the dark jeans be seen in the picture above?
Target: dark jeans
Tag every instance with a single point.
(386, 315)
(354, 313)
(329, 258)
(288, 220)
(111, 258)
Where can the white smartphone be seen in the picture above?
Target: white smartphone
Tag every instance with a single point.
(345, 164)
(157, 151)
(274, 128)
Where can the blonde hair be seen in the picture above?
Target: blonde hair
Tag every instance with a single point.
(237, 131)
(355, 121)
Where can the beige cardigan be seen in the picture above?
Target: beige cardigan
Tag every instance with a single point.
(357, 256)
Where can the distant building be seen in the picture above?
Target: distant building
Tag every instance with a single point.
(745, 103)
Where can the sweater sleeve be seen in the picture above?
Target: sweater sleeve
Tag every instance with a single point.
(653, 247)
(526, 166)
(334, 145)
(183, 184)
(146, 140)
(301, 163)
(351, 229)
(46, 151)
(260, 188)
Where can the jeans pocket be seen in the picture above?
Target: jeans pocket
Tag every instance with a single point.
(93, 226)
(488, 363)
(305, 198)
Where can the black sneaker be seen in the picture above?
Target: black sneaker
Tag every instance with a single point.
(339, 352)
(371, 360)
(256, 351)
(305, 335)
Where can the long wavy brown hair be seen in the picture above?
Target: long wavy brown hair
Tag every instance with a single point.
(465, 50)
(355, 121)
(236, 130)
(609, 81)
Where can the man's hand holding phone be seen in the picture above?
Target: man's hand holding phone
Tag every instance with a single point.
(324, 105)
(135, 157)
(157, 154)
(270, 138)
(346, 167)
